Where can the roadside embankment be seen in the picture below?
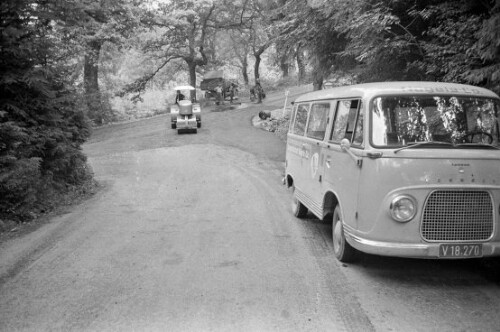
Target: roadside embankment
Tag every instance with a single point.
(275, 121)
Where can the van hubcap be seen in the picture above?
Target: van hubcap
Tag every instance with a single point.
(295, 204)
(337, 236)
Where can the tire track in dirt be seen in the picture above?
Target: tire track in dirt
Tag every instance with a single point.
(335, 291)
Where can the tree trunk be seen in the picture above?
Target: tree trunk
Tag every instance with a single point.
(244, 70)
(256, 68)
(284, 66)
(318, 77)
(192, 77)
(318, 82)
(301, 66)
(91, 81)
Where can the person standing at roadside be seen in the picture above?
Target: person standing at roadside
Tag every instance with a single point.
(232, 87)
(218, 90)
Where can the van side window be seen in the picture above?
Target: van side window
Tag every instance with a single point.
(299, 126)
(345, 120)
(318, 119)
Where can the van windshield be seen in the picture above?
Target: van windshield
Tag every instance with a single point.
(399, 121)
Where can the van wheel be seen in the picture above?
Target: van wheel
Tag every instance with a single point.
(299, 210)
(343, 251)
(198, 124)
(174, 125)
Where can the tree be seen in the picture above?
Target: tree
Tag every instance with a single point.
(91, 24)
(180, 30)
(462, 42)
(487, 47)
(312, 30)
(238, 37)
(241, 51)
(398, 40)
(185, 31)
(233, 50)
(261, 31)
(42, 125)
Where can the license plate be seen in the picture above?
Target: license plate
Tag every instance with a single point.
(460, 250)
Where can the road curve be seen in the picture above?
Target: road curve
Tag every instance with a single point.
(194, 233)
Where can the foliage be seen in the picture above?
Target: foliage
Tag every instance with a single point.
(313, 31)
(184, 33)
(88, 26)
(42, 125)
(463, 41)
(398, 39)
(180, 32)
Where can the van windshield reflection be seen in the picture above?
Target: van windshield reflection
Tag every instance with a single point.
(429, 121)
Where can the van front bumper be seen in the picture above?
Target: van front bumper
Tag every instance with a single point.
(413, 250)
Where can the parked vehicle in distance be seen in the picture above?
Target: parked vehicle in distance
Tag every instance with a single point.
(185, 115)
(408, 169)
(218, 88)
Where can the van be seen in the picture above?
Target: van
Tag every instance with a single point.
(406, 169)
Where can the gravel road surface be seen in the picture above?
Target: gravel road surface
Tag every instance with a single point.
(194, 232)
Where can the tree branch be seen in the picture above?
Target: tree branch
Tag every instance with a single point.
(139, 85)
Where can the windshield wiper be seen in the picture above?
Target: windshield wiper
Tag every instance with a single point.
(412, 145)
(479, 145)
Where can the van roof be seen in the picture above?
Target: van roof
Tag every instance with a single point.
(369, 90)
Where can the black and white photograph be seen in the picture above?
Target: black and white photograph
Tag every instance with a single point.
(250, 165)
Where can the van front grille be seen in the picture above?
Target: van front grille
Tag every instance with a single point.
(453, 215)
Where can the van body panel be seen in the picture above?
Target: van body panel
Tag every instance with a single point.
(303, 152)
(454, 186)
(341, 176)
(418, 177)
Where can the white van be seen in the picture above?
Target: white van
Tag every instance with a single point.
(409, 169)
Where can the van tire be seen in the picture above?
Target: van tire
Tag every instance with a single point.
(174, 125)
(299, 210)
(342, 250)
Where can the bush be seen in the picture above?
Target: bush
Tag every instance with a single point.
(42, 120)
(19, 183)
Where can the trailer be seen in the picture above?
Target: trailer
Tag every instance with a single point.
(218, 88)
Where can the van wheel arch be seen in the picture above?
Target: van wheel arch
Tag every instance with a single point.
(330, 201)
(298, 209)
(342, 250)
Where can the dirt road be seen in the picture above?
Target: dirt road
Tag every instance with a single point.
(194, 233)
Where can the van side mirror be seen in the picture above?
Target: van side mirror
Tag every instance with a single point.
(345, 145)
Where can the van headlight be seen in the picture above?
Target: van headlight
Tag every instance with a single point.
(403, 208)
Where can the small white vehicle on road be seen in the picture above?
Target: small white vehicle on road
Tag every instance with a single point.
(185, 114)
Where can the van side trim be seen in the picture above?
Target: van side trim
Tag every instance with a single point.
(314, 207)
